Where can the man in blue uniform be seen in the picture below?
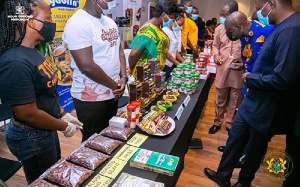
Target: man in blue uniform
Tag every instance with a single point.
(252, 35)
(274, 82)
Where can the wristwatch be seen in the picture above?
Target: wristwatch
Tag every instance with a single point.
(63, 113)
(124, 76)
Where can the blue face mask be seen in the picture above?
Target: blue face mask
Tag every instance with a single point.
(177, 28)
(189, 9)
(195, 17)
(222, 20)
(264, 20)
(168, 23)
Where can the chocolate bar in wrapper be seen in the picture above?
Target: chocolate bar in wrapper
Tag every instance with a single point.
(157, 80)
(140, 73)
(145, 90)
(133, 95)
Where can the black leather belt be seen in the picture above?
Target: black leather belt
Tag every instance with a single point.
(16, 124)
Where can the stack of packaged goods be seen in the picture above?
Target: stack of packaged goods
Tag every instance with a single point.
(133, 113)
(154, 161)
(185, 78)
(155, 123)
(201, 65)
(149, 84)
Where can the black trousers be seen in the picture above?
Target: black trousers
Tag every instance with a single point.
(292, 148)
(242, 134)
(94, 115)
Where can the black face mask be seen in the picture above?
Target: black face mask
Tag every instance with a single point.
(231, 37)
(47, 31)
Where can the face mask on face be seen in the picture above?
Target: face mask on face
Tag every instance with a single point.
(111, 7)
(222, 20)
(232, 36)
(189, 9)
(47, 31)
(167, 23)
(195, 17)
(261, 18)
(177, 28)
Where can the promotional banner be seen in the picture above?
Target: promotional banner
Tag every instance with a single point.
(61, 58)
(62, 10)
(133, 11)
(57, 51)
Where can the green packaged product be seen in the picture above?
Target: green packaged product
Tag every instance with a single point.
(154, 161)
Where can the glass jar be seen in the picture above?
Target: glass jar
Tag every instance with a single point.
(137, 105)
(173, 72)
(194, 87)
(169, 85)
(188, 70)
(193, 77)
(189, 80)
(173, 77)
(197, 77)
(201, 64)
(182, 88)
(174, 87)
(193, 67)
(177, 79)
(131, 111)
(179, 69)
(189, 90)
(189, 58)
(137, 119)
(131, 123)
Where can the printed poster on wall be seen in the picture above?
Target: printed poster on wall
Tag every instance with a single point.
(57, 51)
(61, 58)
(62, 10)
(133, 11)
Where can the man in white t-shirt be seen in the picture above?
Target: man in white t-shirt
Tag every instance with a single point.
(99, 65)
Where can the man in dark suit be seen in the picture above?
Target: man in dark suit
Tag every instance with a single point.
(274, 83)
(292, 148)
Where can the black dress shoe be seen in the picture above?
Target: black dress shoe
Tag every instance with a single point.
(214, 129)
(221, 148)
(238, 184)
(239, 164)
(212, 175)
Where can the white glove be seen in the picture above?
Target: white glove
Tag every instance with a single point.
(70, 130)
(69, 118)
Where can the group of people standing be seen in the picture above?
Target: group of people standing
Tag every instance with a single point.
(173, 31)
(258, 63)
(98, 62)
(99, 78)
(264, 62)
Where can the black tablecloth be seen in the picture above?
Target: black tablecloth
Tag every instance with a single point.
(175, 143)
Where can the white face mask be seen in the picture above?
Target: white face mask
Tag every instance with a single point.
(111, 7)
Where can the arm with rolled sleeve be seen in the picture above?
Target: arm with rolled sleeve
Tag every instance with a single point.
(286, 66)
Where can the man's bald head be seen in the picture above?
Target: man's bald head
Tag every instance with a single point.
(235, 19)
(237, 25)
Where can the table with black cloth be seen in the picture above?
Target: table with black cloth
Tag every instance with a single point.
(175, 143)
